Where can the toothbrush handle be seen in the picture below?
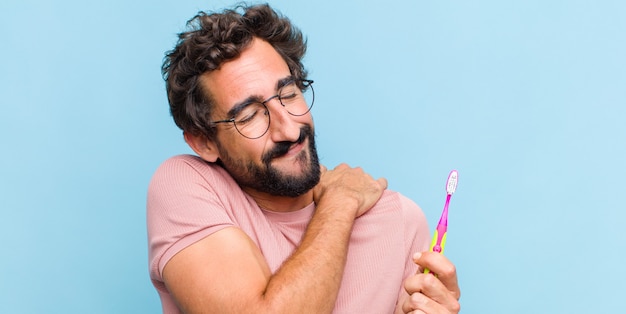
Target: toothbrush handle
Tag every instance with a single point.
(439, 241)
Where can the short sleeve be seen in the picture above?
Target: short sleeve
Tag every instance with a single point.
(183, 206)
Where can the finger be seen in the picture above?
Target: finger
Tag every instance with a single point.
(442, 267)
(419, 303)
(383, 183)
(432, 290)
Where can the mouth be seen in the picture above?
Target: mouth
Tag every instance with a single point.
(286, 149)
(294, 149)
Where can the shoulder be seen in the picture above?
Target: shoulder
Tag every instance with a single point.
(398, 210)
(408, 214)
(395, 201)
(186, 184)
(187, 165)
(189, 172)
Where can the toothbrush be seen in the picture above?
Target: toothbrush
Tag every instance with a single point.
(439, 238)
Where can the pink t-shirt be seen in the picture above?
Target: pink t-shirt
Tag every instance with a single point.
(189, 199)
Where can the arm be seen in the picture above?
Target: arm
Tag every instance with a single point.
(417, 234)
(238, 278)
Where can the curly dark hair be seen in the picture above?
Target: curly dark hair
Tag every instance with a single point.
(211, 40)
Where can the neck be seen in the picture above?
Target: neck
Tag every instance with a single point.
(280, 203)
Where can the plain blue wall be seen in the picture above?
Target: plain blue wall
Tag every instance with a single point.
(526, 99)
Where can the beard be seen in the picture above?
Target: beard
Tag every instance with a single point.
(267, 178)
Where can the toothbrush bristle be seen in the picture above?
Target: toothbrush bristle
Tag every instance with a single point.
(453, 179)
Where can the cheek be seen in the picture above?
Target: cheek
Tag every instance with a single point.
(305, 119)
(240, 148)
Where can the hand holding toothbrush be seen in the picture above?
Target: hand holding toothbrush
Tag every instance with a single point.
(439, 293)
(432, 294)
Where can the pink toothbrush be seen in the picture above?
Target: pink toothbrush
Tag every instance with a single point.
(439, 238)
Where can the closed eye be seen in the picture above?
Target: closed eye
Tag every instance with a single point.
(249, 113)
(289, 92)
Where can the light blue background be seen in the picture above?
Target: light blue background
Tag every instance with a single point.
(526, 99)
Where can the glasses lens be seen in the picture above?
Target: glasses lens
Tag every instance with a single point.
(253, 121)
(296, 99)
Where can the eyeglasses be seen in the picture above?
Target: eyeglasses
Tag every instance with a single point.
(252, 120)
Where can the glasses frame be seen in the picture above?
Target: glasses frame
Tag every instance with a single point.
(305, 83)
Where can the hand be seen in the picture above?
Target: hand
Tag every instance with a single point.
(436, 292)
(345, 183)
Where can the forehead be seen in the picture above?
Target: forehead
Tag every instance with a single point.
(254, 73)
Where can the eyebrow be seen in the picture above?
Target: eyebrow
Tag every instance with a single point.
(256, 98)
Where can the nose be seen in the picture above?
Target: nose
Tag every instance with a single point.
(284, 127)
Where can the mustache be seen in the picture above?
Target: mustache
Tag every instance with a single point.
(281, 148)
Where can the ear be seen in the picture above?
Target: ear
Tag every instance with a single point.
(204, 147)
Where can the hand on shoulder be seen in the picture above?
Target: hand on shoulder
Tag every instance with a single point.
(345, 185)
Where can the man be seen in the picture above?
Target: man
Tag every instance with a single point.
(254, 223)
